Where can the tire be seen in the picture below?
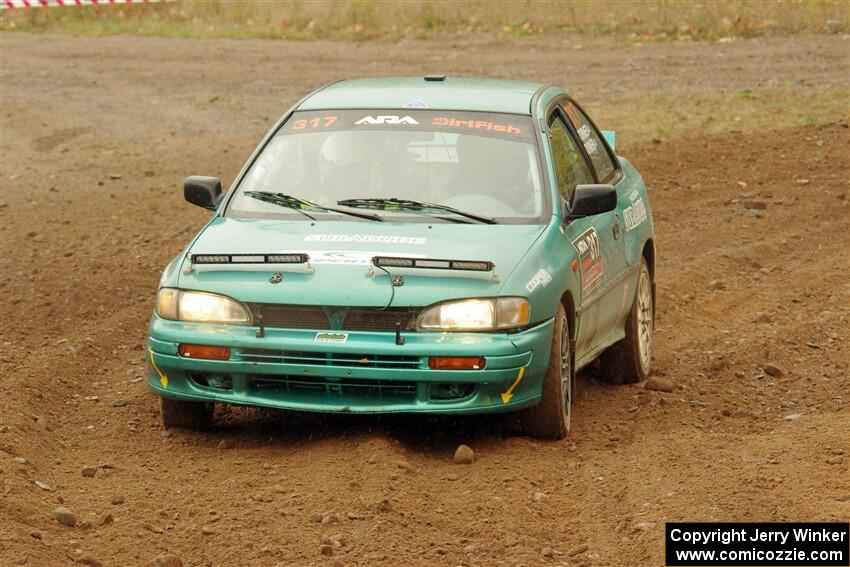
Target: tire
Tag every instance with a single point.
(186, 415)
(629, 360)
(550, 418)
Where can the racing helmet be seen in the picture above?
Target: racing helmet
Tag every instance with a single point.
(345, 162)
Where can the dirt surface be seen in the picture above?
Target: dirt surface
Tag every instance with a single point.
(97, 135)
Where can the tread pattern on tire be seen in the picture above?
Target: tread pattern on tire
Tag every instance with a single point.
(186, 415)
(546, 419)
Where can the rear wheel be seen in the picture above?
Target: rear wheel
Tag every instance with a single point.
(186, 415)
(550, 418)
(629, 360)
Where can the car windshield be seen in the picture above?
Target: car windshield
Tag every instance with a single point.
(472, 167)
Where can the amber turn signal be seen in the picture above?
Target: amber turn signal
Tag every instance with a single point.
(204, 351)
(456, 362)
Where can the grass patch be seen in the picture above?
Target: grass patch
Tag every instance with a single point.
(664, 118)
(621, 20)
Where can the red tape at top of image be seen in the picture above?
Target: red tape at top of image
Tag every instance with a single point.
(5, 4)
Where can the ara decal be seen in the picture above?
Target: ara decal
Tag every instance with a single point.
(590, 259)
(386, 120)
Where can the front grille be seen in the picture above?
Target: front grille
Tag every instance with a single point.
(344, 388)
(344, 318)
(328, 358)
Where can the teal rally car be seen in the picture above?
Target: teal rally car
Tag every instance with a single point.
(422, 245)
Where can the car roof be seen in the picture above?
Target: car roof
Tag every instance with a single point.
(433, 92)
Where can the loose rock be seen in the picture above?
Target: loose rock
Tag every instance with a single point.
(117, 499)
(773, 369)
(64, 516)
(225, 444)
(89, 472)
(334, 540)
(716, 285)
(36, 534)
(464, 455)
(119, 403)
(577, 551)
(207, 530)
(326, 549)
(548, 552)
(754, 205)
(836, 460)
(380, 506)
(540, 497)
(659, 385)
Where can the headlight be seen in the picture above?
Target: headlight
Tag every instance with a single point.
(475, 315)
(200, 307)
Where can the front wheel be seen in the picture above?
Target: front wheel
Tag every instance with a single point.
(186, 415)
(550, 418)
(628, 361)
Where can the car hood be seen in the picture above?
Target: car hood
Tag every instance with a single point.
(340, 271)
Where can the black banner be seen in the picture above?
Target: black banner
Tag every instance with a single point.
(770, 544)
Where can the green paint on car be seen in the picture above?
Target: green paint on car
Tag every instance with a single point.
(389, 234)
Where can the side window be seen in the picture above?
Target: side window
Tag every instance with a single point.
(592, 142)
(570, 167)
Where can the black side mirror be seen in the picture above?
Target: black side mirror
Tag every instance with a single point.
(202, 191)
(589, 200)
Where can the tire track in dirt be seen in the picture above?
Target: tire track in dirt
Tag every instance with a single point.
(77, 294)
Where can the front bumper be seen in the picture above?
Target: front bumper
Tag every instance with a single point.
(368, 373)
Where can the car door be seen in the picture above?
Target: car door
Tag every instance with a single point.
(572, 169)
(599, 253)
(616, 298)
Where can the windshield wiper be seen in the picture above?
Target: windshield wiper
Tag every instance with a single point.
(409, 204)
(297, 204)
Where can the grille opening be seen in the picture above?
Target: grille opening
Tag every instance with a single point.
(341, 387)
(316, 317)
(210, 380)
(356, 360)
(445, 392)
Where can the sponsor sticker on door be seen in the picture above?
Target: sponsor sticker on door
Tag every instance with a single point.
(590, 259)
